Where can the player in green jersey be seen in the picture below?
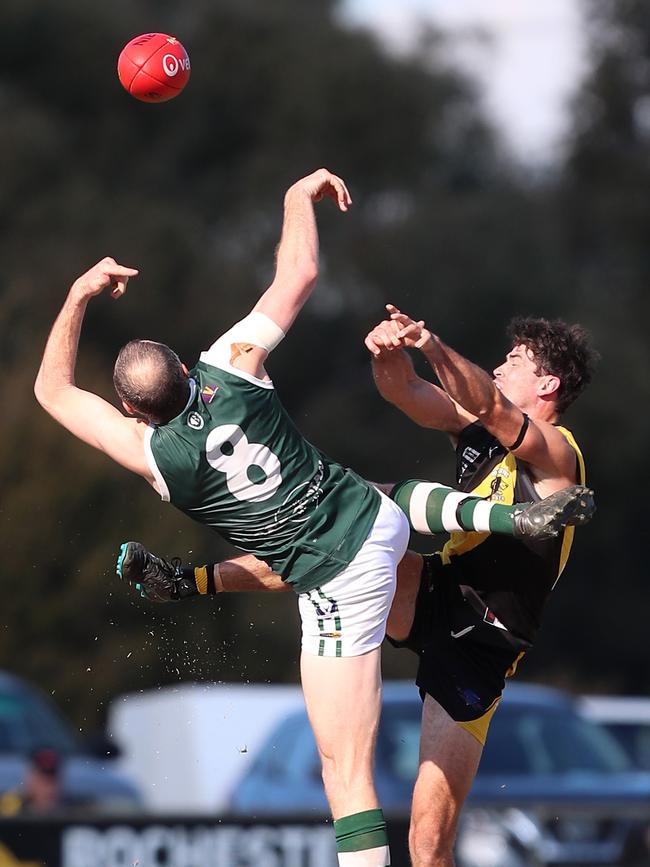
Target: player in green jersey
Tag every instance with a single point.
(218, 445)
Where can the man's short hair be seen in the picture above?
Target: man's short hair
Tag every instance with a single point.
(150, 378)
(559, 349)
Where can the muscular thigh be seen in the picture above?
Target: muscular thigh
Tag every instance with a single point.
(343, 698)
(402, 611)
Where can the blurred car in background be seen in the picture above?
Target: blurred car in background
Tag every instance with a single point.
(29, 722)
(625, 717)
(553, 788)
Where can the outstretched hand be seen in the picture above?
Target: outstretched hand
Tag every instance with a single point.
(410, 332)
(398, 332)
(323, 183)
(384, 338)
(106, 273)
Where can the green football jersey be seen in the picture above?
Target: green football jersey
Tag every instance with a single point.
(234, 460)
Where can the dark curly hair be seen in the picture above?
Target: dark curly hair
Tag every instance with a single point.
(559, 349)
(150, 378)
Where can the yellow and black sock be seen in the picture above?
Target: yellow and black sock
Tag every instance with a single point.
(201, 577)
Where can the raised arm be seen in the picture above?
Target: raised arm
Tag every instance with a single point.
(247, 344)
(423, 402)
(535, 439)
(84, 414)
(297, 255)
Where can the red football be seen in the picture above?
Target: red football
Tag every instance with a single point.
(153, 67)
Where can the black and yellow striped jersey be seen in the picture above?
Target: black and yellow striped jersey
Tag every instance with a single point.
(506, 580)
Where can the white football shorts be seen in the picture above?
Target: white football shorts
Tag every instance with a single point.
(347, 615)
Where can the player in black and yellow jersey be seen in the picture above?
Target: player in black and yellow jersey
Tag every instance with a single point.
(480, 599)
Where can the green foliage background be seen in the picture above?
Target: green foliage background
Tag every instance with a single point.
(445, 224)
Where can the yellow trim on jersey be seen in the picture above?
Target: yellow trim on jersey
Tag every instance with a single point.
(567, 538)
(497, 487)
(478, 728)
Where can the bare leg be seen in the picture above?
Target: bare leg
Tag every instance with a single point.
(343, 699)
(449, 757)
(402, 611)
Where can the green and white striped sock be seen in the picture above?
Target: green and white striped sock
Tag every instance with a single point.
(361, 840)
(434, 508)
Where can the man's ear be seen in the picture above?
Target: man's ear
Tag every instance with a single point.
(185, 370)
(128, 409)
(548, 386)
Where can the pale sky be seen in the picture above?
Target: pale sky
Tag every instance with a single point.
(528, 70)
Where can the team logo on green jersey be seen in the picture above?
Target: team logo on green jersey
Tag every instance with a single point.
(195, 421)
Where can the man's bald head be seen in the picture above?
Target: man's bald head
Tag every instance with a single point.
(150, 378)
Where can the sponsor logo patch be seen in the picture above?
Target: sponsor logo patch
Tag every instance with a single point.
(195, 421)
(469, 455)
(208, 392)
(491, 618)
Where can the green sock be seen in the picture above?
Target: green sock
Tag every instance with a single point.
(362, 839)
(434, 508)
